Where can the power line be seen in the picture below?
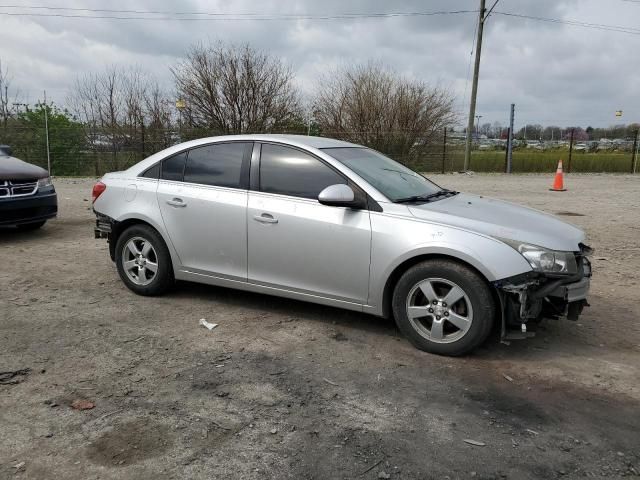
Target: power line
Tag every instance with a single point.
(167, 12)
(217, 16)
(575, 23)
(491, 9)
(208, 16)
(110, 10)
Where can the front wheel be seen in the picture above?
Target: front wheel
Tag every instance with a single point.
(143, 261)
(443, 307)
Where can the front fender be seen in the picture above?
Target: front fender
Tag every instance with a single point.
(396, 240)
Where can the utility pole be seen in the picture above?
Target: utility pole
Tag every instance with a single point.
(142, 133)
(474, 87)
(506, 153)
(636, 145)
(180, 105)
(46, 129)
(444, 149)
(510, 139)
(573, 130)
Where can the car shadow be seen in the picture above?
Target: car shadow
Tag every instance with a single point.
(553, 338)
(273, 305)
(11, 234)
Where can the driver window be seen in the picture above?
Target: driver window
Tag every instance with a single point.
(287, 171)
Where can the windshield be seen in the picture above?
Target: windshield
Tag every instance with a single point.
(393, 180)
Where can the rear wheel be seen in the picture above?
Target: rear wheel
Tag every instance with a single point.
(143, 261)
(31, 226)
(443, 307)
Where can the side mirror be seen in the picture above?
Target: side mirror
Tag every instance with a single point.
(6, 150)
(339, 195)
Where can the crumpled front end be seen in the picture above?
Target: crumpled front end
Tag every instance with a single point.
(528, 298)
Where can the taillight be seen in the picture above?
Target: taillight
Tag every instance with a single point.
(98, 188)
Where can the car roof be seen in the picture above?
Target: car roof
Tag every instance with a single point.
(300, 140)
(308, 140)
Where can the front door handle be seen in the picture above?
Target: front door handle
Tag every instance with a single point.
(265, 218)
(176, 202)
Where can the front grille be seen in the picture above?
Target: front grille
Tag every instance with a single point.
(17, 188)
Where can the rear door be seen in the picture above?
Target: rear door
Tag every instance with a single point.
(203, 196)
(298, 244)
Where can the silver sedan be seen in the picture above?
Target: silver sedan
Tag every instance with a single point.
(339, 224)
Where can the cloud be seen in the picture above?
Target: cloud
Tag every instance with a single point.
(554, 73)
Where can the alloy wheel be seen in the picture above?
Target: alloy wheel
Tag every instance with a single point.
(439, 310)
(140, 261)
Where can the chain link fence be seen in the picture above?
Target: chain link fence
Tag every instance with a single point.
(93, 152)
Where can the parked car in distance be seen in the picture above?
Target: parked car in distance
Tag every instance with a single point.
(27, 196)
(339, 224)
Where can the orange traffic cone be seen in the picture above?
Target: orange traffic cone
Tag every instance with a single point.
(558, 185)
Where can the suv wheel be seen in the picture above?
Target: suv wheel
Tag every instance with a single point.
(443, 307)
(143, 261)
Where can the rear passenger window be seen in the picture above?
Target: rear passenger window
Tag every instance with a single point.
(173, 167)
(288, 171)
(152, 172)
(218, 165)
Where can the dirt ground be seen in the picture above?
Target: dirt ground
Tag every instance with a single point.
(284, 389)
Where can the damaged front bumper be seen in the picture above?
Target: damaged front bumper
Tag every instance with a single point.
(528, 298)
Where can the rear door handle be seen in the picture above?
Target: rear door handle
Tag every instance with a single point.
(176, 202)
(265, 218)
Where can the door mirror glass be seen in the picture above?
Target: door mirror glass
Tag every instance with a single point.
(339, 195)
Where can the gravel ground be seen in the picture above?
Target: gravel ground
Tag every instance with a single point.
(284, 389)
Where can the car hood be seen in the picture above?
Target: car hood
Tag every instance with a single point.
(501, 219)
(12, 168)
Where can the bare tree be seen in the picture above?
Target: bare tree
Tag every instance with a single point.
(159, 116)
(232, 89)
(8, 100)
(485, 129)
(117, 106)
(373, 106)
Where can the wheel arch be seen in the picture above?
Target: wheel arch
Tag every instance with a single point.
(405, 265)
(120, 226)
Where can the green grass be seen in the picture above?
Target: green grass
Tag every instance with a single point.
(525, 161)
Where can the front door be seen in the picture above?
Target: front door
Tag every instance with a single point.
(298, 244)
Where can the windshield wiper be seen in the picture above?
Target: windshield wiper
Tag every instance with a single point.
(426, 198)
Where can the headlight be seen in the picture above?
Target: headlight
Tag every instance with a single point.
(44, 182)
(544, 260)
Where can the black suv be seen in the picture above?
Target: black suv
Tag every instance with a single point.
(27, 196)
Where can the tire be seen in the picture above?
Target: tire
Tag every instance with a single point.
(442, 328)
(147, 242)
(27, 227)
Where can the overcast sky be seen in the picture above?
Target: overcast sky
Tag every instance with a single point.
(555, 73)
